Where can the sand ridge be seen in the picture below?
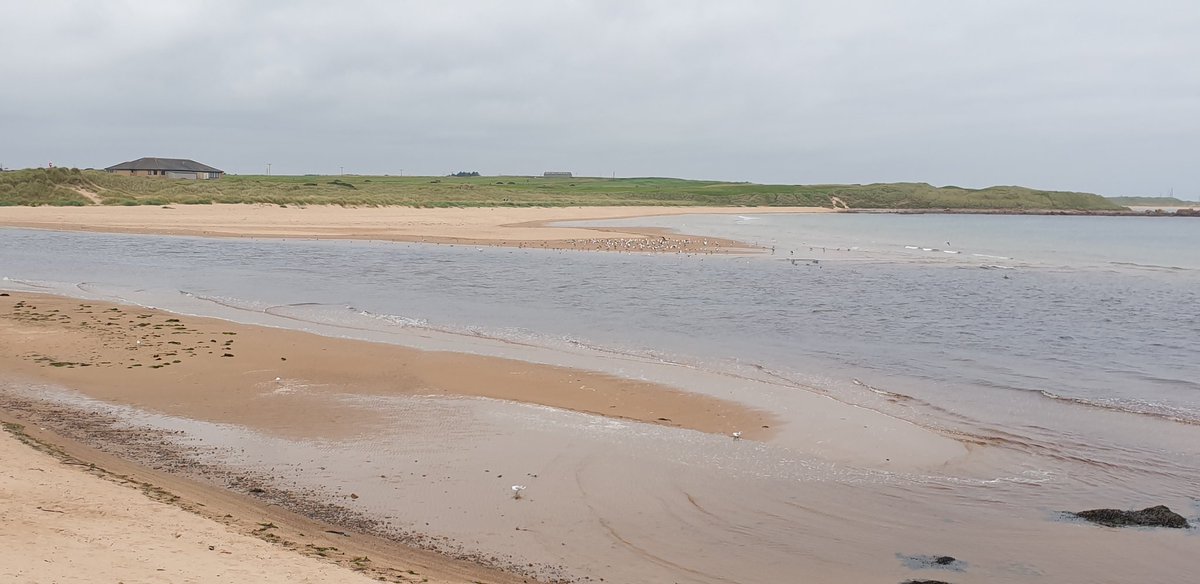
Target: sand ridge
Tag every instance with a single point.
(288, 382)
(498, 226)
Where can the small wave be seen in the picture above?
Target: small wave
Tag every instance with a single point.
(228, 302)
(1149, 266)
(990, 257)
(882, 392)
(396, 319)
(1137, 407)
(30, 283)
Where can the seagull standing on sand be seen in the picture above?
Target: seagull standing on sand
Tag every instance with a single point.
(517, 491)
(737, 435)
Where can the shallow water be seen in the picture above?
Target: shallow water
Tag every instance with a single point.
(1077, 368)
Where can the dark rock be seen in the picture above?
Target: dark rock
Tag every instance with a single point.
(932, 562)
(924, 582)
(1159, 516)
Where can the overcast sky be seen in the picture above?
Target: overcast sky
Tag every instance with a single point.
(1090, 95)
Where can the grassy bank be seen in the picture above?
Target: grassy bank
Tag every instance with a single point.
(74, 187)
(1152, 202)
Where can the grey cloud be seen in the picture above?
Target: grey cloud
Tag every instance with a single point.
(1100, 96)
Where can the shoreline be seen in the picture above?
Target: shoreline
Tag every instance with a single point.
(1132, 212)
(713, 494)
(46, 342)
(522, 227)
(230, 521)
(67, 342)
(272, 378)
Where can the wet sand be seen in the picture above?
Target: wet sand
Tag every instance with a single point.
(202, 398)
(511, 227)
(278, 380)
(67, 523)
(607, 496)
(78, 514)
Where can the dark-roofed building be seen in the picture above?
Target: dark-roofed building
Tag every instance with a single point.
(167, 167)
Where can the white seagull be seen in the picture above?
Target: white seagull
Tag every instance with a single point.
(517, 491)
(737, 435)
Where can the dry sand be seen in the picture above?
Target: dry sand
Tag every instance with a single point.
(515, 227)
(105, 520)
(63, 524)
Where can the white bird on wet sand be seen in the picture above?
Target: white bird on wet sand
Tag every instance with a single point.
(737, 435)
(517, 491)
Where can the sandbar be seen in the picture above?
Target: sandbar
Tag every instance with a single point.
(497, 226)
(280, 380)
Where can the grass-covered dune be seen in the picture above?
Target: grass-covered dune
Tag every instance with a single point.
(74, 187)
(1152, 202)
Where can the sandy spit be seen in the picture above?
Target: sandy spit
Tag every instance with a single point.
(279, 380)
(511, 227)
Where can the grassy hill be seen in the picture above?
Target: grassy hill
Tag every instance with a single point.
(73, 187)
(1152, 202)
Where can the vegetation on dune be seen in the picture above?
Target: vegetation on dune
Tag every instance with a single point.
(1152, 202)
(54, 186)
(63, 187)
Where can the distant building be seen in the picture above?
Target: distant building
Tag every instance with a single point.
(167, 167)
(553, 174)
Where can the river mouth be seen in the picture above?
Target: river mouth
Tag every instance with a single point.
(1049, 416)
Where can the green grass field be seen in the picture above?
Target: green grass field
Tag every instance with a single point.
(74, 187)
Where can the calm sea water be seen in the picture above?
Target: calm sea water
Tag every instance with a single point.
(1072, 343)
(1100, 310)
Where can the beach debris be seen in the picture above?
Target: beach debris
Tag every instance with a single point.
(1157, 516)
(924, 582)
(737, 435)
(516, 489)
(932, 562)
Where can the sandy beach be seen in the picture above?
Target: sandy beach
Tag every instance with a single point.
(289, 388)
(105, 520)
(403, 449)
(276, 381)
(511, 227)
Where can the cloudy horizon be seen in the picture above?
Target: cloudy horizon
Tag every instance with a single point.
(1071, 95)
